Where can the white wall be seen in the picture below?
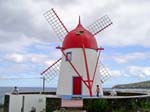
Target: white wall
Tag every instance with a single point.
(67, 72)
(37, 101)
(15, 103)
(30, 100)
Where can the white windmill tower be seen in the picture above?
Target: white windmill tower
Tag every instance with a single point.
(79, 69)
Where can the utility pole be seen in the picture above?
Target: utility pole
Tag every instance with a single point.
(43, 83)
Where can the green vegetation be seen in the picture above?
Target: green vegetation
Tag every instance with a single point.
(119, 105)
(52, 104)
(96, 105)
(145, 105)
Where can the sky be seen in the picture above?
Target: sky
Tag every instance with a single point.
(28, 44)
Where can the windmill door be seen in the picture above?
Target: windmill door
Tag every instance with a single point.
(77, 85)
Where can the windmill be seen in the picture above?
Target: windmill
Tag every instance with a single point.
(79, 69)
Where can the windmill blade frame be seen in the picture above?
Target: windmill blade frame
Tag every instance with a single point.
(56, 24)
(99, 25)
(52, 71)
(104, 72)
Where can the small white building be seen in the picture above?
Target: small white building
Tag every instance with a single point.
(26, 102)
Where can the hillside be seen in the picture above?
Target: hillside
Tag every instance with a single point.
(139, 85)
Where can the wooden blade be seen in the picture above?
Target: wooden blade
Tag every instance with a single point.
(99, 25)
(104, 73)
(52, 71)
(56, 24)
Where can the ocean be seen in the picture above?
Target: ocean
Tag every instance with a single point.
(4, 90)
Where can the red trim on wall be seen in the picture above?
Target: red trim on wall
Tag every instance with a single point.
(74, 67)
(96, 67)
(88, 82)
(87, 71)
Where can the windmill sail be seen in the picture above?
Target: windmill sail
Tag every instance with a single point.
(104, 73)
(53, 71)
(99, 25)
(56, 24)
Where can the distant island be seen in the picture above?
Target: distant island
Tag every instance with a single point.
(139, 85)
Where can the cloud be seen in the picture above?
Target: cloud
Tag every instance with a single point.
(62, 3)
(139, 71)
(22, 17)
(40, 59)
(129, 26)
(128, 57)
(115, 73)
(49, 62)
(19, 44)
(26, 17)
(25, 35)
(131, 71)
(18, 58)
(18, 69)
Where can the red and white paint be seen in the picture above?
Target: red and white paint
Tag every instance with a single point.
(79, 72)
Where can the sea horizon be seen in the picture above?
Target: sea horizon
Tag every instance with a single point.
(4, 90)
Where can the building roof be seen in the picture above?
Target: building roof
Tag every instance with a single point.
(78, 38)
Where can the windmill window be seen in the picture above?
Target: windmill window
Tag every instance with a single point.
(68, 56)
(79, 32)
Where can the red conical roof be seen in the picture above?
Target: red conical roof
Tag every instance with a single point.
(79, 37)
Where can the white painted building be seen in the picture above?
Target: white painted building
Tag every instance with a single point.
(26, 102)
(79, 71)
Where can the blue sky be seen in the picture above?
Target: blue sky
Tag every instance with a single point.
(27, 42)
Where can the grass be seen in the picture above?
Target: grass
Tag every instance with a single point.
(104, 105)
